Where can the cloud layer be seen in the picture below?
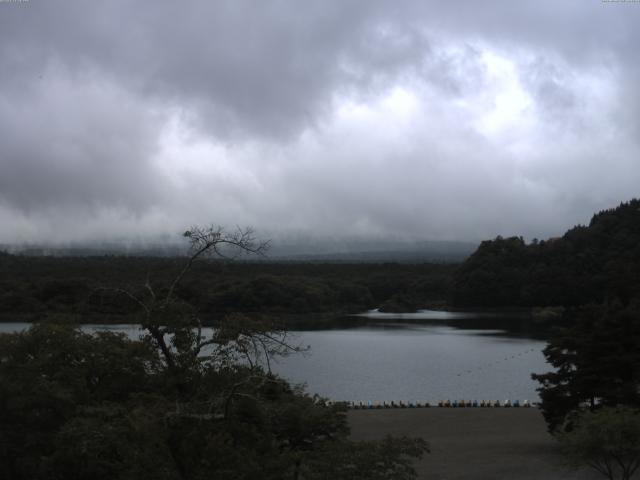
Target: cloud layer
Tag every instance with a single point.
(414, 119)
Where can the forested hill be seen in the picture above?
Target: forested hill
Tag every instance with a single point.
(587, 264)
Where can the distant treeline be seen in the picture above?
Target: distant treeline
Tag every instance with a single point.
(82, 287)
(588, 264)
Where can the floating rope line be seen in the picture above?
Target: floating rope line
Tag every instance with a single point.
(369, 405)
(497, 362)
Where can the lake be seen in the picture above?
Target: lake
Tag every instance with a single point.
(392, 359)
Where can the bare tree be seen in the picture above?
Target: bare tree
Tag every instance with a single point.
(174, 327)
(167, 315)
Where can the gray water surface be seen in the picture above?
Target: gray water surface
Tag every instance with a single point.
(416, 363)
(408, 362)
(376, 314)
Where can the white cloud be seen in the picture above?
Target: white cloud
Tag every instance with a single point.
(420, 120)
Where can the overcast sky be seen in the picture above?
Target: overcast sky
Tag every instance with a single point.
(421, 119)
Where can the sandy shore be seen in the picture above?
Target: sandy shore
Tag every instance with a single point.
(473, 443)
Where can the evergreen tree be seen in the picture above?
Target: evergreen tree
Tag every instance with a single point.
(597, 362)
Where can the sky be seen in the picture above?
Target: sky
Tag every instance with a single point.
(417, 119)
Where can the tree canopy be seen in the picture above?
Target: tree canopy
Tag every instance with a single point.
(42, 287)
(173, 404)
(608, 440)
(588, 264)
(596, 361)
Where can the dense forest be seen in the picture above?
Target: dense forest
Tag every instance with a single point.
(588, 264)
(176, 403)
(80, 406)
(80, 288)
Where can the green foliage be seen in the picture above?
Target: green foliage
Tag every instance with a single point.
(80, 406)
(607, 440)
(596, 361)
(48, 374)
(173, 404)
(586, 265)
(43, 287)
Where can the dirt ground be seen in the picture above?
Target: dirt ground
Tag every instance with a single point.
(473, 443)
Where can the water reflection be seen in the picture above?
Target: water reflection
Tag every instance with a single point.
(420, 315)
(403, 360)
(412, 362)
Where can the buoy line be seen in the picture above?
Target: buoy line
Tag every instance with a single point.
(369, 405)
(496, 362)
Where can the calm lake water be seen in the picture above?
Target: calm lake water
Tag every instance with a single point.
(397, 360)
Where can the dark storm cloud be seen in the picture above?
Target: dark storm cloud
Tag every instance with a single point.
(245, 67)
(75, 143)
(418, 118)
